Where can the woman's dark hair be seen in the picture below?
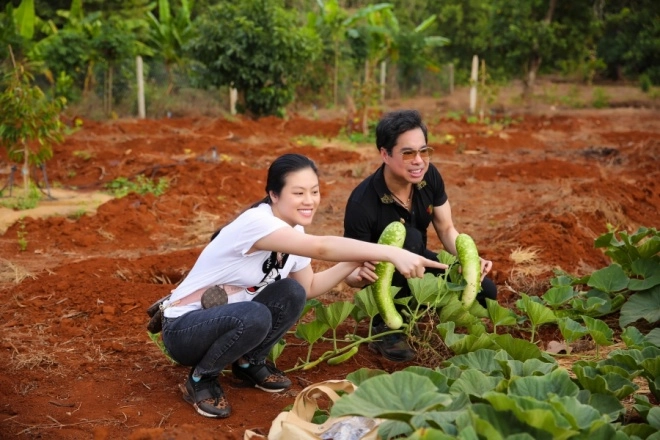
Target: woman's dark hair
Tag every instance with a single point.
(279, 169)
(277, 173)
(394, 124)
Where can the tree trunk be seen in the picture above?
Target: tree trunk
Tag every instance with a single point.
(110, 69)
(367, 91)
(535, 60)
(335, 79)
(26, 170)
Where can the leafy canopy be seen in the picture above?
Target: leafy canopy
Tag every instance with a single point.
(257, 47)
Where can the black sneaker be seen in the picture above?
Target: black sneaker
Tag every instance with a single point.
(263, 376)
(392, 347)
(207, 397)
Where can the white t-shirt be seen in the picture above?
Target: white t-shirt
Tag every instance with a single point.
(225, 261)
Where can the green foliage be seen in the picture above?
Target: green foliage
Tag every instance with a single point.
(257, 47)
(599, 98)
(21, 236)
(645, 82)
(122, 186)
(29, 121)
(630, 41)
(169, 34)
(527, 34)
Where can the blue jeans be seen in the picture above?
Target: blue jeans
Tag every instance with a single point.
(210, 339)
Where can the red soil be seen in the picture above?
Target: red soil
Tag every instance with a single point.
(76, 360)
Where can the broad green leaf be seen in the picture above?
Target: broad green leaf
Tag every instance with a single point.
(580, 416)
(642, 305)
(334, 313)
(610, 279)
(651, 362)
(606, 240)
(561, 280)
(633, 338)
(311, 304)
(424, 290)
(472, 343)
(393, 429)
(519, 349)
(454, 311)
(498, 425)
(538, 313)
(477, 310)
(500, 315)
(474, 383)
(646, 267)
(446, 331)
(650, 247)
(531, 367)
(364, 300)
(623, 361)
(598, 330)
(535, 413)
(398, 396)
(653, 417)
(424, 434)
(359, 376)
(642, 232)
(311, 331)
(276, 351)
(571, 330)
(439, 380)
(642, 405)
(638, 285)
(482, 360)
(639, 430)
(597, 303)
(653, 337)
(25, 18)
(654, 386)
(558, 382)
(559, 295)
(606, 404)
(613, 384)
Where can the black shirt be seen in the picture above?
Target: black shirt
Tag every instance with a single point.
(371, 207)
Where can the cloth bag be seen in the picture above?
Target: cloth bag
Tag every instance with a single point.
(296, 424)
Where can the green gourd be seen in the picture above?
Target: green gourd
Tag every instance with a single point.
(394, 234)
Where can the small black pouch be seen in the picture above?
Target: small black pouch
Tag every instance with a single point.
(214, 296)
(155, 312)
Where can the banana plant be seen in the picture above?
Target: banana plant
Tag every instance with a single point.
(331, 19)
(169, 33)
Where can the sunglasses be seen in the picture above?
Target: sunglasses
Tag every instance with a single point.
(410, 155)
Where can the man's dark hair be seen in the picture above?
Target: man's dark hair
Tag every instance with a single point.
(395, 123)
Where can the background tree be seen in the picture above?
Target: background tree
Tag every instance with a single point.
(29, 122)
(257, 47)
(168, 35)
(329, 23)
(630, 43)
(114, 46)
(527, 34)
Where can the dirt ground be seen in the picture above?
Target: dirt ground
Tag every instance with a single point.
(75, 357)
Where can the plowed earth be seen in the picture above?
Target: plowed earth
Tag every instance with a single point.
(75, 358)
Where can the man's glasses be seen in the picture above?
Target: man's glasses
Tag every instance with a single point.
(410, 155)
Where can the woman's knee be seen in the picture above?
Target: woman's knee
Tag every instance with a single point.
(257, 319)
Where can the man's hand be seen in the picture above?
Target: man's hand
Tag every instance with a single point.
(363, 275)
(486, 266)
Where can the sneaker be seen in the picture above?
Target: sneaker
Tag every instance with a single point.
(263, 376)
(392, 347)
(207, 397)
